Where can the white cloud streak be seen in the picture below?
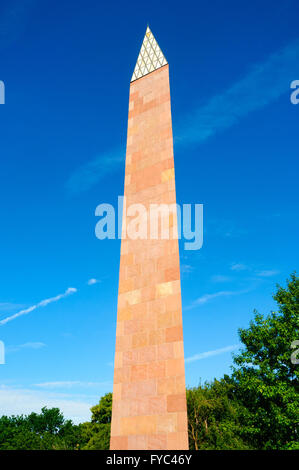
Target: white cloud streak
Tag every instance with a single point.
(72, 383)
(267, 273)
(29, 345)
(263, 84)
(207, 297)
(220, 278)
(88, 174)
(7, 306)
(215, 352)
(92, 281)
(238, 267)
(43, 303)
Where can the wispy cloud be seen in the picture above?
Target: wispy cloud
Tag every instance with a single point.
(19, 347)
(220, 278)
(72, 383)
(13, 20)
(15, 401)
(43, 303)
(224, 228)
(88, 174)
(215, 352)
(93, 281)
(186, 268)
(207, 297)
(267, 273)
(238, 267)
(67, 334)
(263, 273)
(261, 86)
(7, 306)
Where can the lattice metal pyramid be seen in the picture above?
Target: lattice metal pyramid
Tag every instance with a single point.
(150, 57)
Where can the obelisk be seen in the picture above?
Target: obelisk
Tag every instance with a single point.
(149, 396)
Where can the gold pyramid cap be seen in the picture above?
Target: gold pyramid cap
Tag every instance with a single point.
(150, 57)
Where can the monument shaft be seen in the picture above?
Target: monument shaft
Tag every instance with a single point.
(149, 396)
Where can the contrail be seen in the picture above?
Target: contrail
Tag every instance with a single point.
(216, 352)
(43, 303)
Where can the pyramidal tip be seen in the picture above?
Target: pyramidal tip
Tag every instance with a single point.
(150, 57)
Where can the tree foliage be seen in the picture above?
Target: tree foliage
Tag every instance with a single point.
(97, 433)
(213, 417)
(44, 431)
(257, 407)
(264, 377)
(50, 431)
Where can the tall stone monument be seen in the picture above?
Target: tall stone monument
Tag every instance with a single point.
(149, 397)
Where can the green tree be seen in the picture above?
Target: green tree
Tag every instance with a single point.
(45, 431)
(213, 417)
(97, 433)
(102, 412)
(14, 434)
(49, 420)
(264, 377)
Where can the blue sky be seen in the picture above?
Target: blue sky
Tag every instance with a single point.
(66, 67)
